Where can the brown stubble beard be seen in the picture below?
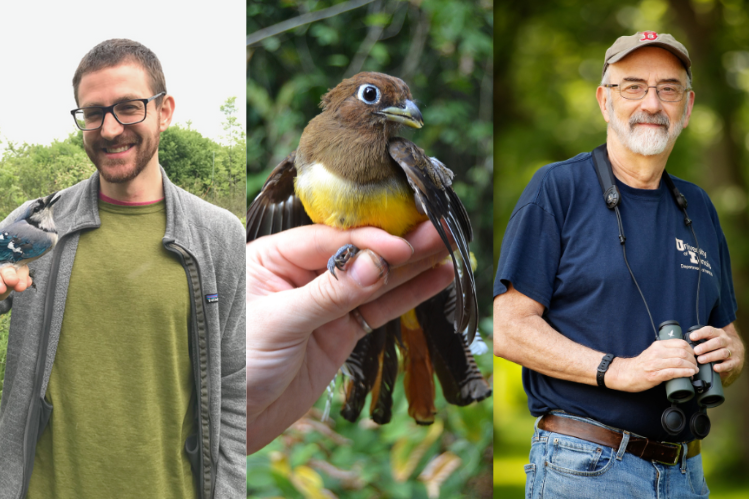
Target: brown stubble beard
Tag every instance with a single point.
(146, 150)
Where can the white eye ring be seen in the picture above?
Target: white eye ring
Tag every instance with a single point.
(363, 88)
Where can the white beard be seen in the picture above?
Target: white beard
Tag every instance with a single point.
(647, 141)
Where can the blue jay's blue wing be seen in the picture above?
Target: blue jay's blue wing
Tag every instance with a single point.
(20, 242)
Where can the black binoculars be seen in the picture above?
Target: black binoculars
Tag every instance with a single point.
(706, 385)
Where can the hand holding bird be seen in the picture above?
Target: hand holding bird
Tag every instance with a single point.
(300, 330)
(29, 237)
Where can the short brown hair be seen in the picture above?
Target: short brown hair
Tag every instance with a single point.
(118, 51)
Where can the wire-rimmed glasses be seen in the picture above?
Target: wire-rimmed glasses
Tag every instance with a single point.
(637, 90)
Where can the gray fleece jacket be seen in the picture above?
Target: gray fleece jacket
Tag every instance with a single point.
(210, 243)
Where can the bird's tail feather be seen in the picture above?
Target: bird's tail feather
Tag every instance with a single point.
(363, 366)
(419, 374)
(381, 406)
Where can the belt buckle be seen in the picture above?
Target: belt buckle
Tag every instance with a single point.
(679, 449)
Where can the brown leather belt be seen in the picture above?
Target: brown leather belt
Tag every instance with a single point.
(651, 450)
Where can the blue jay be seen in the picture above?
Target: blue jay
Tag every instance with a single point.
(31, 235)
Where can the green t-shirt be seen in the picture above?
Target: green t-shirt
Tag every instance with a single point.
(121, 385)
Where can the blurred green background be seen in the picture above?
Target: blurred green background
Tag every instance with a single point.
(548, 59)
(443, 50)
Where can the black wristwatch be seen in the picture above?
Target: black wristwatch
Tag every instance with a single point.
(603, 367)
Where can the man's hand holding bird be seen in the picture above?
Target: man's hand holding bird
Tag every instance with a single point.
(302, 330)
(29, 237)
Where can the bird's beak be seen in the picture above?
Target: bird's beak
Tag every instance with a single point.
(51, 199)
(408, 115)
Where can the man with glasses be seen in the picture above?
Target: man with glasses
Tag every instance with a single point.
(125, 374)
(567, 309)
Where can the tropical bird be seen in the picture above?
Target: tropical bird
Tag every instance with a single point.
(351, 170)
(31, 235)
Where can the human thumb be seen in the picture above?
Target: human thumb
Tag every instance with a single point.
(326, 298)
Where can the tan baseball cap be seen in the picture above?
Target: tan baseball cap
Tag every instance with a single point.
(625, 45)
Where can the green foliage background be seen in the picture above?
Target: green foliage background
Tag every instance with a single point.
(443, 50)
(549, 57)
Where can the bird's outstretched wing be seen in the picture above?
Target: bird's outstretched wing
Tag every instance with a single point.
(461, 380)
(431, 182)
(276, 208)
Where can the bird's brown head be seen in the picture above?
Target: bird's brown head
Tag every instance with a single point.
(360, 115)
(372, 100)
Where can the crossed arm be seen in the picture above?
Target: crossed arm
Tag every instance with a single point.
(521, 335)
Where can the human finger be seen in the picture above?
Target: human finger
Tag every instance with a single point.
(716, 350)
(729, 370)
(666, 354)
(310, 247)
(326, 298)
(407, 296)
(298, 255)
(704, 333)
(669, 363)
(10, 276)
(674, 372)
(24, 281)
(8, 281)
(410, 270)
(338, 337)
(718, 355)
(425, 240)
(715, 346)
(669, 347)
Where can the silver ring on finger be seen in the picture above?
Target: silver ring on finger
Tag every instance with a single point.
(357, 315)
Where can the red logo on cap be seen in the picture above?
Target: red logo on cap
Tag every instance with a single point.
(649, 36)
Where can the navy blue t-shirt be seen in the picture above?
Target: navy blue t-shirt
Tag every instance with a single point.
(561, 248)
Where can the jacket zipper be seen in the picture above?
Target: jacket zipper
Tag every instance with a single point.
(200, 368)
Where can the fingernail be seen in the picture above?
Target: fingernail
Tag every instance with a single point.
(367, 268)
(409, 245)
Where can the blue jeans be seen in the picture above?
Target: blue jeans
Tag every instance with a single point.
(564, 467)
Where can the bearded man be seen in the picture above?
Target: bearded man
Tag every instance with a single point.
(576, 306)
(125, 375)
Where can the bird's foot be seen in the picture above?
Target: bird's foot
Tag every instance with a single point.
(33, 282)
(341, 258)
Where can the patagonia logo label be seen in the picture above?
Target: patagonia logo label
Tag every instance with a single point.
(211, 298)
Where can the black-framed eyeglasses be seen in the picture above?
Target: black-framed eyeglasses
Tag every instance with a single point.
(636, 90)
(127, 112)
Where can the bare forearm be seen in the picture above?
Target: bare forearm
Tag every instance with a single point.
(522, 336)
(528, 340)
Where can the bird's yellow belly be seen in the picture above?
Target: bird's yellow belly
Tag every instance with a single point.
(340, 203)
